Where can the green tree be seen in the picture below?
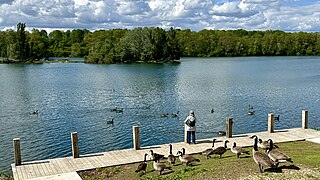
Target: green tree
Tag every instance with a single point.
(38, 43)
(22, 49)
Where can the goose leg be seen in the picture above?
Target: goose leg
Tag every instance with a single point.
(260, 169)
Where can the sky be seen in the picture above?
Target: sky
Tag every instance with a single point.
(285, 15)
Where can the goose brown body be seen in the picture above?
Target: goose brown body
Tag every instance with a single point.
(261, 159)
(276, 155)
(188, 159)
(156, 156)
(209, 151)
(160, 166)
(142, 166)
(238, 150)
(171, 157)
(221, 150)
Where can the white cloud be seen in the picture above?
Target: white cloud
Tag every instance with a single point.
(288, 15)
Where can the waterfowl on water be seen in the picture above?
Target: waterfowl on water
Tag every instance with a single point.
(251, 112)
(212, 111)
(171, 157)
(277, 117)
(142, 166)
(221, 150)
(117, 110)
(185, 158)
(209, 151)
(222, 133)
(261, 159)
(110, 121)
(175, 115)
(238, 150)
(156, 156)
(164, 115)
(34, 112)
(276, 155)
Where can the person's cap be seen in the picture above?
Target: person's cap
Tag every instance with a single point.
(191, 112)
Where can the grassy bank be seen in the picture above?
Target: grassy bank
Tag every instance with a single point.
(306, 157)
(5, 176)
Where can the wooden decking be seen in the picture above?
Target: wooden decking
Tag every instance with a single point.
(51, 168)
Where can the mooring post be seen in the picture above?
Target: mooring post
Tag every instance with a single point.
(304, 119)
(136, 137)
(75, 147)
(270, 122)
(17, 151)
(229, 127)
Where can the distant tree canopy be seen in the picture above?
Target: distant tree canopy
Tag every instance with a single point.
(151, 44)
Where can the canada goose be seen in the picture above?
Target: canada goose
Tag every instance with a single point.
(222, 133)
(209, 151)
(160, 166)
(110, 121)
(276, 155)
(260, 158)
(221, 150)
(265, 144)
(164, 115)
(251, 113)
(142, 166)
(117, 110)
(156, 156)
(175, 115)
(183, 150)
(212, 111)
(171, 157)
(238, 150)
(188, 159)
(34, 112)
(277, 117)
(250, 107)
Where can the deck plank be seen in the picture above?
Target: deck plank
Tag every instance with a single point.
(52, 167)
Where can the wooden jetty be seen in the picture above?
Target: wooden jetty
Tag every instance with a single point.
(66, 167)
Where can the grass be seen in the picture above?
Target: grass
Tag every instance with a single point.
(306, 157)
(5, 176)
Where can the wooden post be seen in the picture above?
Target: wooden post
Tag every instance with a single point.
(75, 147)
(304, 119)
(229, 127)
(136, 137)
(17, 152)
(270, 122)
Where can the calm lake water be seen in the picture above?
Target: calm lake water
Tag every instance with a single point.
(79, 97)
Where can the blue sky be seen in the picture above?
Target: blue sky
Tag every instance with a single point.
(286, 15)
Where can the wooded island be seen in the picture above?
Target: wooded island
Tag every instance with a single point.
(151, 44)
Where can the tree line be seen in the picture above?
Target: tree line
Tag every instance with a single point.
(151, 44)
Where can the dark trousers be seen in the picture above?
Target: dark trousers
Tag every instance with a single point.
(191, 137)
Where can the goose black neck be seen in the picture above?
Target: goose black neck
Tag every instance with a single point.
(255, 145)
(234, 144)
(170, 148)
(225, 144)
(145, 157)
(270, 144)
(213, 141)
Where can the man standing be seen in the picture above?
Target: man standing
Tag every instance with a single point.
(190, 127)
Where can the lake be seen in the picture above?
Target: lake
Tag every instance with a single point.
(80, 97)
